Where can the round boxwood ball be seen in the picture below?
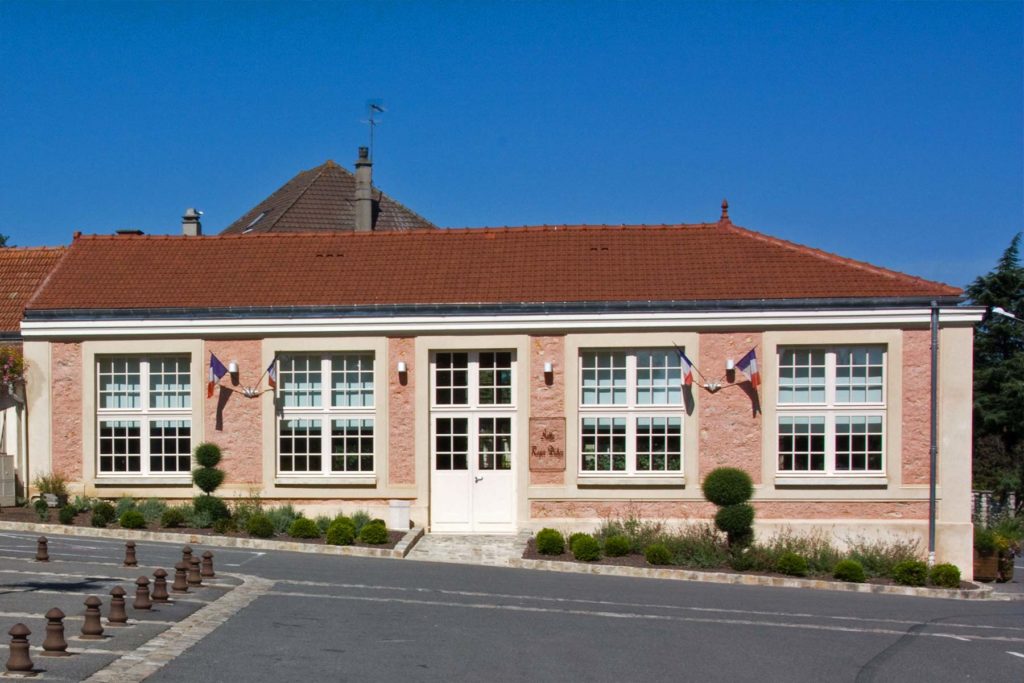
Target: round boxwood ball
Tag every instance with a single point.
(728, 486)
(207, 454)
(658, 554)
(791, 564)
(735, 519)
(616, 546)
(208, 479)
(374, 533)
(132, 519)
(304, 528)
(342, 531)
(550, 542)
(849, 570)
(586, 548)
(945, 575)
(260, 526)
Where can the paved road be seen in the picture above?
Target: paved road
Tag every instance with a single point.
(352, 619)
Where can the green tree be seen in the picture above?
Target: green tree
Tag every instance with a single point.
(3, 240)
(999, 378)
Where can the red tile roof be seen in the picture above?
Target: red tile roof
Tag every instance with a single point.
(322, 198)
(705, 262)
(21, 272)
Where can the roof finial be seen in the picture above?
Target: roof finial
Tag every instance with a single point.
(725, 210)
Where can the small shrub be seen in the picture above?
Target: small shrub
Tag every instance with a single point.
(573, 537)
(198, 519)
(815, 547)
(742, 560)
(374, 533)
(910, 573)
(124, 504)
(985, 540)
(945, 575)
(323, 522)
(849, 570)
(53, 483)
(212, 506)
(640, 533)
(103, 513)
(42, 509)
(657, 554)
(207, 455)
(791, 564)
(880, 557)
(616, 546)
(260, 526)
(152, 509)
(698, 546)
(172, 518)
(360, 518)
(67, 514)
(208, 479)
(244, 508)
(586, 548)
(304, 528)
(550, 542)
(224, 525)
(341, 532)
(132, 519)
(282, 517)
(728, 486)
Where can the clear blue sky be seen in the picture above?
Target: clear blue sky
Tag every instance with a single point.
(885, 132)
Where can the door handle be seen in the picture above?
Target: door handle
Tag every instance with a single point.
(477, 480)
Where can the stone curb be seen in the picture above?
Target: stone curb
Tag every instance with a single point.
(982, 593)
(400, 550)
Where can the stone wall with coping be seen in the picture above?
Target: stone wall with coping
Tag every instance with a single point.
(66, 450)
(233, 421)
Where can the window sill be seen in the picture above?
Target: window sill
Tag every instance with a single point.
(143, 481)
(590, 480)
(879, 481)
(368, 482)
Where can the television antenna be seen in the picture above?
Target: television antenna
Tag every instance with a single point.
(374, 108)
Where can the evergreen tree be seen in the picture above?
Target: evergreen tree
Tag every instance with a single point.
(999, 378)
(3, 240)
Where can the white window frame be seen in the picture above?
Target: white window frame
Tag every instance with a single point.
(831, 410)
(632, 411)
(144, 415)
(326, 414)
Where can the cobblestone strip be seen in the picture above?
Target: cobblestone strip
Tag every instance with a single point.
(147, 659)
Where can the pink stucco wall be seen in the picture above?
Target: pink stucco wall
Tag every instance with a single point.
(730, 434)
(916, 405)
(672, 509)
(234, 422)
(547, 400)
(401, 412)
(66, 418)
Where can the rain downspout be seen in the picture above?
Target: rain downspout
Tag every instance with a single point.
(933, 449)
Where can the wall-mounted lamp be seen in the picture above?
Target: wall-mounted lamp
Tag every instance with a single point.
(730, 364)
(402, 367)
(233, 367)
(549, 367)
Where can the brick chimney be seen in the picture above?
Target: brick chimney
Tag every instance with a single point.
(364, 191)
(190, 225)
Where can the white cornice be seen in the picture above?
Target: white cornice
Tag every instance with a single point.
(431, 324)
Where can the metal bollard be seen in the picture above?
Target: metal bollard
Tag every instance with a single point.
(19, 661)
(117, 615)
(194, 579)
(42, 554)
(160, 586)
(55, 645)
(186, 554)
(92, 629)
(142, 600)
(180, 584)
(129, 555)
(207, 571)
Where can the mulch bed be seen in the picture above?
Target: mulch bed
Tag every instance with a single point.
(22, 514)
(640, 561)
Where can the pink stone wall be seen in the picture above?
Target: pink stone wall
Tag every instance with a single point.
(66, 419)
(401, 412)
(548, 400)
(701, 510)
(233, 422)
(916, 405)
(730, 434)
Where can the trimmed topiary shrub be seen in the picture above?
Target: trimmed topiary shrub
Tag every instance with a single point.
(212, 506)
(586, 548)
(735, 519)
(342, 531)
(728, 486)
(791, 564)
(616, 546)
(910, 573)
(208, 478)
(573, 537)
(260, 526)
(945, 575)
(304, 528)
(851, 571)
(132, 519)
(172, 518)
(67, 514)
(374, 533)
(658, 554)
(550, 542)
(103, 513)
(207, 455)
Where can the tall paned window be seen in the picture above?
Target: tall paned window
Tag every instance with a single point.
(144, 415)
(831, 410)
(326, 423)
(631, 412)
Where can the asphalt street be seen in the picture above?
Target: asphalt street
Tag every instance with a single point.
(352, 619)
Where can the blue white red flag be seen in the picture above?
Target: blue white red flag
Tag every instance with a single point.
(748, 366)
(687, 367)
(272, 374)
(217, 370)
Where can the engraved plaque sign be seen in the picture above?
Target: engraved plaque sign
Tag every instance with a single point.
(547, 444)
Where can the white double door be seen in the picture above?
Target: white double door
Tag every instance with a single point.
(472, 447)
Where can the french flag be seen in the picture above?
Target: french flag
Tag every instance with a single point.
(272, 374)
(748, 366)
(217, 370)
(687, 367)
